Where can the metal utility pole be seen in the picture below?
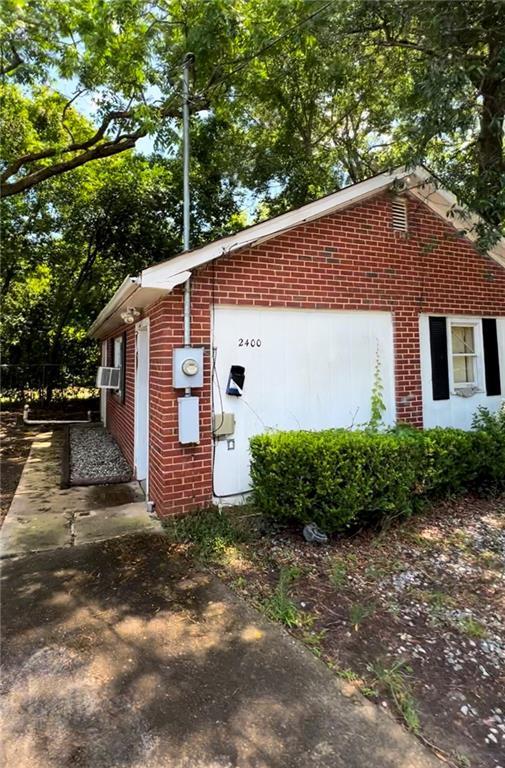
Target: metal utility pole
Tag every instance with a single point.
(188, 63)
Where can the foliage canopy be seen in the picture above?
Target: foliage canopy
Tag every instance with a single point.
(309, 94)
(291, 99)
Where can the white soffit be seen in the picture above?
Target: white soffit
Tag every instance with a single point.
(131, 293)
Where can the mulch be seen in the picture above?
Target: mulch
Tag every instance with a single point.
(421, 604)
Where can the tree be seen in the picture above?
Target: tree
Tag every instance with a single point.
(312, 115)
(452, 111)
(307, 94)
(367, 85)
(72, 240)
(127, 56)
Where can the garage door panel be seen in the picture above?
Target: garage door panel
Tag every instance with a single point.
(303, 370)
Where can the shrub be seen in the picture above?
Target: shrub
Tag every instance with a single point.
(340, 478)
(451, 461)
(491, 430)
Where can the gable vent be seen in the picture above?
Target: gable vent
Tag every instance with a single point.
(399, 208)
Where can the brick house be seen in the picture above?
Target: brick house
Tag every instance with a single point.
(288, 322)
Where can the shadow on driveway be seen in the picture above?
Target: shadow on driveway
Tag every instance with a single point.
(118, 655)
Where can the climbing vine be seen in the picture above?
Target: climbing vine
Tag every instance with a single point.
(377, 405)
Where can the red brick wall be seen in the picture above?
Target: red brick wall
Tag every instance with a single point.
(349, 260)
(180, 477)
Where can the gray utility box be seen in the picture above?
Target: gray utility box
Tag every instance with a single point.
(223, 424)
(187, 367)
(189, 420)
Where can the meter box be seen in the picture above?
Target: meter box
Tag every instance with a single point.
(188, 367)
(189, 420)
(223, 424)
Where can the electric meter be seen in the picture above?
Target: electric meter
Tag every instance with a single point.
(187, 370)
(190, 366)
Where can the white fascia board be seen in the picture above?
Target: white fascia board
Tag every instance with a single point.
(141, 293)
(162, 278)
(169, 284)
(418, 181)
(160, 273)
(446, 205)
(125, 290)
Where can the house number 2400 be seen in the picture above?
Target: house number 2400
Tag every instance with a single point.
(249, 342)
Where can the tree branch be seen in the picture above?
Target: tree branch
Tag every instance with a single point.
(33, 157)
(67, 105)
(35, 177)
(9, 66)
(97, 146)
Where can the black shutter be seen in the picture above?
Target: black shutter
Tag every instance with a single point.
(439, 361)
(491, 358)
(110, 352)
(123, 368)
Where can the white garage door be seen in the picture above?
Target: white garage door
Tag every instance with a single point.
(303, 370)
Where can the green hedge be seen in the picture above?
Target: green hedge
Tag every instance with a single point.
(341, 478)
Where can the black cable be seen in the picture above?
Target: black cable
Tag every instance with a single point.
(245, 62)
(215, 374)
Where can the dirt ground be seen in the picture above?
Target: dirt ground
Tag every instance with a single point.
(120, 655)
(15, 444)
(413, 617)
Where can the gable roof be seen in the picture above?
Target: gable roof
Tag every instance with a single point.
(161, 278)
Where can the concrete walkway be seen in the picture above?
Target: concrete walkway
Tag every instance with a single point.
(42, 516)
(117, 655)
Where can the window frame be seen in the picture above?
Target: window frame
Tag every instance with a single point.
(477, 356)
(118, 359)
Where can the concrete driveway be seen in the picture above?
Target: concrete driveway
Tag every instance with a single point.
(118, 655)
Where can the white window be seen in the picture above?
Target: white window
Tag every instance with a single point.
(465, 350)
(118, 362)
(118, 352)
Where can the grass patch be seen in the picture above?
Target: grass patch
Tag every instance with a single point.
(394, 680)
(467, 625)
(439, 600)
(350, 676)
(423, 541)
(460, 540)
(279, 606)
(347, 674)
(338, 572)
(489, 559)
(435, 599)
(314, 641)
(358, 613)
(462, 760)
(375, 573)
(211, 535)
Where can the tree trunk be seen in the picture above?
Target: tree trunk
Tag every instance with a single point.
(490, 144)
(54, 357)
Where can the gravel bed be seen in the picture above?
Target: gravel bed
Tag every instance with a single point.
(95, 456)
